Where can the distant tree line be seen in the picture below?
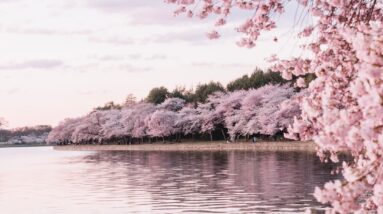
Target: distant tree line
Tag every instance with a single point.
(35, 131)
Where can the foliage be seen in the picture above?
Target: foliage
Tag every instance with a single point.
(257, 79)
(182, 93)
(157, 95)
(108, 106)
(204, 90)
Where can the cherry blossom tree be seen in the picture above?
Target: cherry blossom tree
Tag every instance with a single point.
(229, 109)
(127, 120)
(62, 134)
(269, 115)
(90, 127)
(113, 126)
(162, 123)
(289, 110)
(135, 120)
(260, 111)
(189, 121)
(142, 114)
(342, 110)
(211, 119)
(172, 104)
(251, 104)
(357, 126)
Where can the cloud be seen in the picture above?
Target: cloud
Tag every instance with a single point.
(13, 91)
(90, 92)
(34, 64)
(122, 5)
(222, 65)
(108, 57)
(10, 91)
(115, 57)
(7, 1)
(141, 12)
(158, 16)
(202, 64)
(45, 31)
(190, 36)
(134, 69)
(116, 40)
(194, 34)
(135, 56)
(156, 57)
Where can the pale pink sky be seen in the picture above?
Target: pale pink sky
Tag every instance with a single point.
(61, 58)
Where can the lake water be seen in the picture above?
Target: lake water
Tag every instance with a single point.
(42, 180)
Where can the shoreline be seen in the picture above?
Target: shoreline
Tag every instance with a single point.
(197, 146)
(22, 145)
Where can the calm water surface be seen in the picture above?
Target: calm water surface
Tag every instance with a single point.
(42, 180)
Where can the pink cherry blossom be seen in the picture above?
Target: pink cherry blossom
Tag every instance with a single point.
(342, 109)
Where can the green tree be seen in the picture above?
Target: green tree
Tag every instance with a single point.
(157, 95)
(204, 90)
(178, 92)
(182, 93)
(308, 78)
(240, 83)
(270, 77)
(256, 80)
(108, 106)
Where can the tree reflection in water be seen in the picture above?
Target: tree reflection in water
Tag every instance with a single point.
(233, 181)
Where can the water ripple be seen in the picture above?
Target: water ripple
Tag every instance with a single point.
(48, 181)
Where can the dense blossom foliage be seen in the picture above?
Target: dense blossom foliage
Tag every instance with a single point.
(63, 132)
(228, 113)
(342, 110)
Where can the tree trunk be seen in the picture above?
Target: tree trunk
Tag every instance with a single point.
(223, 134)
(211, 136)
(233, 138)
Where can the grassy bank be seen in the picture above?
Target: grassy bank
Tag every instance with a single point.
(22, 145)
(198, 146)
